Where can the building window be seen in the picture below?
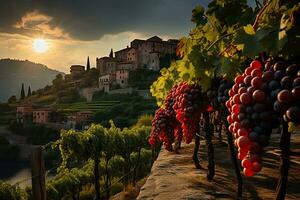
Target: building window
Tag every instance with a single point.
(153, 61)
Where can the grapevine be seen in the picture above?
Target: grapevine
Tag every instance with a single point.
(265, 92)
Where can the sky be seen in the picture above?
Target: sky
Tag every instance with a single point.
(75, 29)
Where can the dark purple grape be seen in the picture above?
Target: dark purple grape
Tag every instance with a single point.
(296, 82)
(280, 65)
(279, 107)
(255, 116)
(246, 123)
(253, 136)
(286, 82)
(249, 109)
(273, 85)
(293, 113)
(278, 75)
(259, 107)
(292, 70)
(296, 92)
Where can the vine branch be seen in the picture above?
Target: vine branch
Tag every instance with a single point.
(219, 39)
(259, 15)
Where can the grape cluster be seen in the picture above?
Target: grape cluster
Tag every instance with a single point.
(163, 126)
(223, 90)
(218, 93)
(251, 116)
(170, 101)
(179, 117)
(285, 89)
(189, 103)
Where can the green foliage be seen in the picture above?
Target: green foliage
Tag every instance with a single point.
(144, 120)
(125, 113)
(58, 82)
(68, 184)
(114, 147)
(224, 39)
(90, 78)
(10, 192)
(198, 16)
(68, 96)
(12, 99)
(274, 33)
(22, 96)
(141, 78)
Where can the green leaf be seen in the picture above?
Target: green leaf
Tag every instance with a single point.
(248, 41)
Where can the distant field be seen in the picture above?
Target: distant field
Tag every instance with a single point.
(82, 106)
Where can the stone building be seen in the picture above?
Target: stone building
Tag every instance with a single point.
(106, 82)
(140, 54)
(31, 113)
(24, 113)
(122, 76)
(77, 70)
(106, 65)
(41, 115)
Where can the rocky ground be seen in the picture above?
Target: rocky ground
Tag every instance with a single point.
(174, 177)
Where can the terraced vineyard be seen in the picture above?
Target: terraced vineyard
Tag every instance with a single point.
(83, 106)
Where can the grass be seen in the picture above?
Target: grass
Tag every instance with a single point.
(82, 106)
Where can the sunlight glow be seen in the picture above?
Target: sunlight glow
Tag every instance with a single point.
(40, 45)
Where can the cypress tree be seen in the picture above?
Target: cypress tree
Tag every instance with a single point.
(22, 92)
(29, 92)
(111, 54)
(88, 67)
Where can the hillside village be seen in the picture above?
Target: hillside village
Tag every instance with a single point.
(111, 76)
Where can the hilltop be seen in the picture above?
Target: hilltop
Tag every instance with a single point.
(15, 72)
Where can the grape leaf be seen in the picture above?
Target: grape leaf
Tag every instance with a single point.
(246, 38)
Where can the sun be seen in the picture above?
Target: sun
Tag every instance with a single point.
(40, 45)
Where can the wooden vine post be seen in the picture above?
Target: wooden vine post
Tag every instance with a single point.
(38, 173)
(196, 149)
(234, 162)
(285, 142)
(210, 147)
(177, 144)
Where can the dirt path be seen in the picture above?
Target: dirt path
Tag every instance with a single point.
(174, 177)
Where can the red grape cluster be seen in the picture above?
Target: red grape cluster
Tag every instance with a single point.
(251, 116)
(179, 117)
(163, 126)
(285, 89)
(189, 103)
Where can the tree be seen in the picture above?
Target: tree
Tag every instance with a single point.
(144, 120)
(12, 99)
(22, 92)
(111, 54)
(29, 92)
(88, 67)
(58, 82)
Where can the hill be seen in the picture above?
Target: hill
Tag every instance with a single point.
(15, 72)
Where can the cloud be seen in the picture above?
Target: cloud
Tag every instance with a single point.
(40, 23)
(91, 20)
(76, 29)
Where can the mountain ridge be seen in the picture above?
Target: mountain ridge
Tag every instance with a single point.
(14, 72)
